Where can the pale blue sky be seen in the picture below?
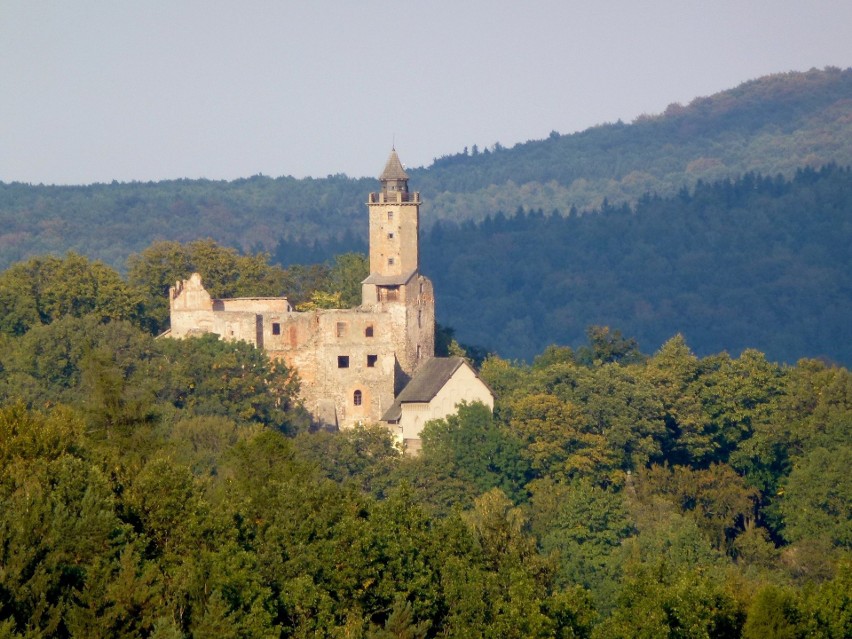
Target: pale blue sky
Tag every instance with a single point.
(158, 89)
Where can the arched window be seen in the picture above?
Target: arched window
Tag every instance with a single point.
(357, 398)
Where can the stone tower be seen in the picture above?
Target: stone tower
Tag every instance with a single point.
(395, 285)
(394, 223)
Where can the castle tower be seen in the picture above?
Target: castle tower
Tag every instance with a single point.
(395, 285)
(394, 224)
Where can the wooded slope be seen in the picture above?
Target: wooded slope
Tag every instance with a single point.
(774, 124)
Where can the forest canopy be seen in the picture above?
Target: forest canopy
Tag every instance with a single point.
(661, 309)
(772, 125)
(156, 487)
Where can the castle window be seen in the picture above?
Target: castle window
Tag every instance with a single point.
(341, 329)
(419, 318)
(418, 351)
(357, 398)
(276, 328)
(390, 216)
(390, 236)
(343, 361)
(368, 332)
(371, 360)
(390, 261)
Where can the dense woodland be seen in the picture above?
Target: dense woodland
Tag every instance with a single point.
(657, 474)
(162, 488)
(754, 262)
(776, 124)
(734, 229)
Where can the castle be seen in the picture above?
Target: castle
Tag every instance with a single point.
(369, 364)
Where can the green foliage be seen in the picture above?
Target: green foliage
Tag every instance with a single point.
(363, 455)
(471, 445)
(345, 277)
(775, 124)
(586, 529)
(728, 257)
(717, 496)
(774, 613)
(320, 299)
(755, 262)
(607, 347)
(169, 488)
(680, 604)
(212, 377)
(43, 290)
(816, 502)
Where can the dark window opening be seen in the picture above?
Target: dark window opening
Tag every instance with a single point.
(390, 261)
(371, 360)
(276, 328)
(343, 361)
(357, 398)
(388, 293)
(368, 332)
(390, 236)
(390, 216)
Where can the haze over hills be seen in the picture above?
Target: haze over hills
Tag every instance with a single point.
(774, 124)
(728, 267)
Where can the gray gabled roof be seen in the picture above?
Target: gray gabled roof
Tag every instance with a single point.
(393, 169)
(389, 280)
(426, 383)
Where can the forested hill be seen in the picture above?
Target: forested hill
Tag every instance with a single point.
(756, 262)
(772, 125)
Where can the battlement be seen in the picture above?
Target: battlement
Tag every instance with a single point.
(394, 197)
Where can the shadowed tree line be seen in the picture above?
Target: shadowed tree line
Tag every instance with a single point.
(164, 488)
(771, 125)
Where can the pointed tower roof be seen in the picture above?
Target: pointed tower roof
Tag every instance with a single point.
(393, 169)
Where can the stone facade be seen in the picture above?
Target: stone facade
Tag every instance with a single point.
(351, 363)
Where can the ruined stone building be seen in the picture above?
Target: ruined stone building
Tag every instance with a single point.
(353, 364)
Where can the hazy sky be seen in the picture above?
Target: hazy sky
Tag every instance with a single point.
(158, 89)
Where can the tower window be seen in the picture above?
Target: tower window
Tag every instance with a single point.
(390, 216)
(357, 398)
(341, 329)
(371, 361)
(390, 236)
(390, 261)
(276, 328)
(343, 361)
(368, 332)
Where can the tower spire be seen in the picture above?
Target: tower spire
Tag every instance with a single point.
(394, 178)
(394, 226)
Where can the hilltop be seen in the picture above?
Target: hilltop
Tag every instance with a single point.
(771, 125)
